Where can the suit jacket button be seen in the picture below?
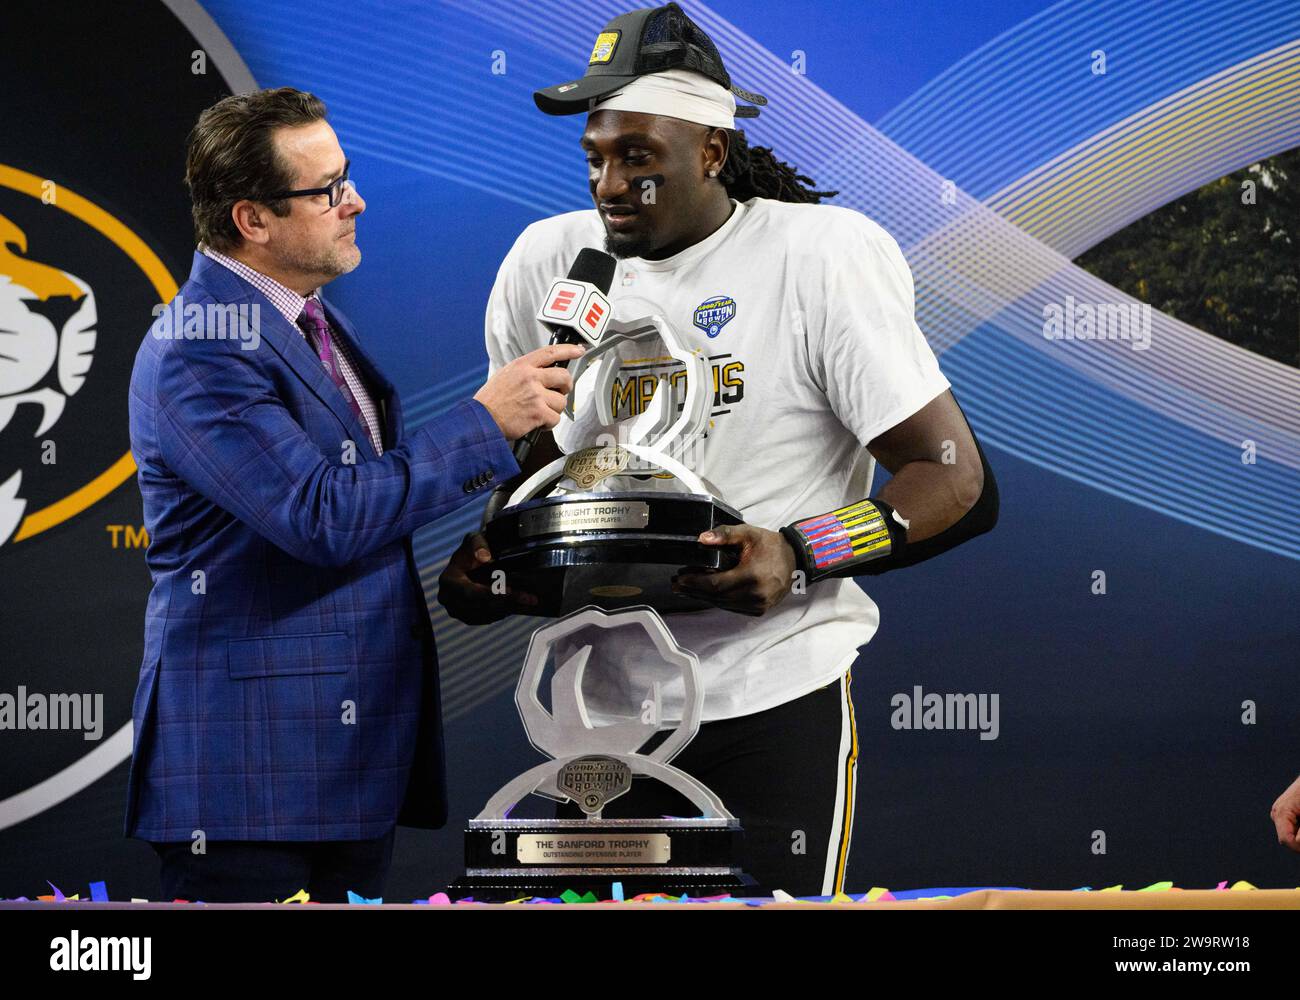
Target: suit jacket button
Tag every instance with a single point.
(469, 486)
(491, 475)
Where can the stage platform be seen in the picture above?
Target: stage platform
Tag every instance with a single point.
(977, 899)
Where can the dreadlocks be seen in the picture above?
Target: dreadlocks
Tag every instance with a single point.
(753, 172)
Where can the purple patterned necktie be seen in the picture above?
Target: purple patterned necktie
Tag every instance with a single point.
(318, 332)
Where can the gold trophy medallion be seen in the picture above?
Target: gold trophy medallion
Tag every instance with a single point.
(590, 465)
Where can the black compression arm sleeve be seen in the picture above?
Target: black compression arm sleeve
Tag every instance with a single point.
(866, 539)
(982, 516)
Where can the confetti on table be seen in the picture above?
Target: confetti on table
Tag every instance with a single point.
(99, 893)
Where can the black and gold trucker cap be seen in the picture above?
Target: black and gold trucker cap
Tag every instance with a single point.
(638, 43)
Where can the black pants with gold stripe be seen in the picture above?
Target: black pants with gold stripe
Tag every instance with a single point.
(788, 774)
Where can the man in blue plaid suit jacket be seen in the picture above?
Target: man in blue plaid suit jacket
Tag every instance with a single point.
(287, 714)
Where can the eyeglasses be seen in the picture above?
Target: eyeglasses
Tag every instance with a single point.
(334, 190)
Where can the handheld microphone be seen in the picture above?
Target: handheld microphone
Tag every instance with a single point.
(576, 310)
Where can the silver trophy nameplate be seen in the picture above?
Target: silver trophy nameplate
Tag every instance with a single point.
(594, 515)
(593, 849)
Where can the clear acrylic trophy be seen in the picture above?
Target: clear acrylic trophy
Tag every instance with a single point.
(619, 514)
(598, 733)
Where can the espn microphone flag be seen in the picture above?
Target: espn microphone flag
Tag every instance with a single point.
(577, 303)
(575, 309)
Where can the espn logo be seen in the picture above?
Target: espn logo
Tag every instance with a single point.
(565, 297)
(593, 318)
(577, 305)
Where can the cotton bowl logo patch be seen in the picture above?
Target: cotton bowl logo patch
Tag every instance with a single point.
(603, 50)
(713, 314)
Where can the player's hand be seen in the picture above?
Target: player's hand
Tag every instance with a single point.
(476, 603)
(757, 584)
(1285, 813)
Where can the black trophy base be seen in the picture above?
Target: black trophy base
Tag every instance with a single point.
(509, 859)
(616, 550)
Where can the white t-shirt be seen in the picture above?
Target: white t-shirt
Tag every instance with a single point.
(816, 352)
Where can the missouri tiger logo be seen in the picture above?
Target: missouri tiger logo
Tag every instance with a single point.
(48, 319)
(95, 233)
(61, 457)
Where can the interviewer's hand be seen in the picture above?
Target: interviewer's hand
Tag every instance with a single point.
(1285, 813)
(528, 392)
(475, 603)
(758, 583)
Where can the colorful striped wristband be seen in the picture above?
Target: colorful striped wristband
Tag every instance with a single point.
(842, 542)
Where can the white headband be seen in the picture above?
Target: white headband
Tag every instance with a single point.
(676, 93)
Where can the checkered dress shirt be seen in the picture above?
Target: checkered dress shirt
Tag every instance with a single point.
(289, 304)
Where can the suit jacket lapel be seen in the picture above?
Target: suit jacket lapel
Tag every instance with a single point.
(283, 337)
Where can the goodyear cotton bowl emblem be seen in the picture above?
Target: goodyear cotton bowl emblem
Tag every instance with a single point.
(603, 50)
(713, 314)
